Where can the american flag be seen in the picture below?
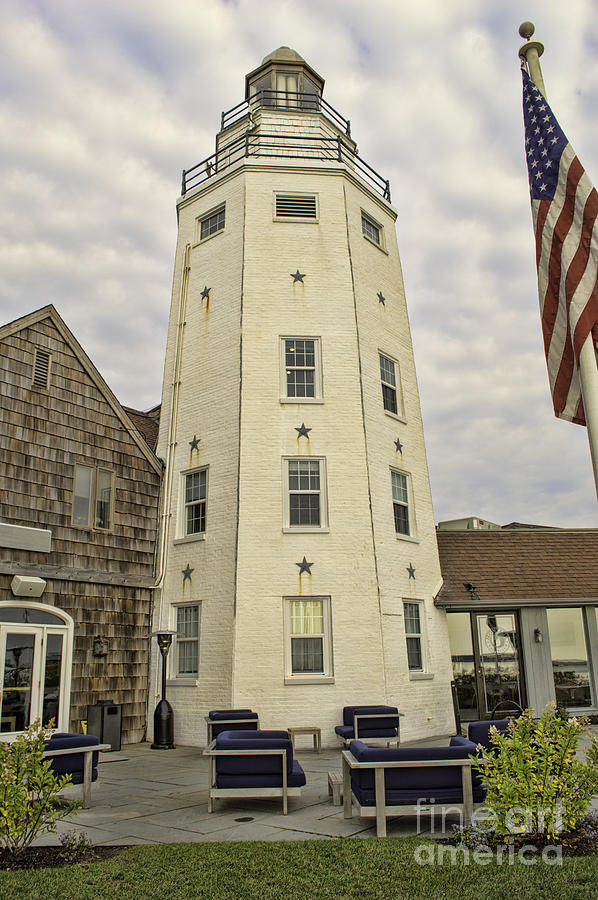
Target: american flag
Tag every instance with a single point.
(564, 210)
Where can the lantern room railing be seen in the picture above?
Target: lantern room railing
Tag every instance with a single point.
(282, 145)
(304, 102)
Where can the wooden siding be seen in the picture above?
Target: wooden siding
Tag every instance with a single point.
(43, 435)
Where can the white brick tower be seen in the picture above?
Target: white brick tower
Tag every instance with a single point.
(298, 558)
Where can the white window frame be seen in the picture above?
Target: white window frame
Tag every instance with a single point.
(367, 219)
(221, 208)
(175, 674)
(397, 387)
(182, 518)
(295, 195)
(327, 675)
(93, 498)
(286, 493)
(409, 505)
(318, 391)
(416, 635)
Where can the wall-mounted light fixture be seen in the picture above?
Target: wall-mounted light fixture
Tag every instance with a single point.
(538, 636)
(472, 591)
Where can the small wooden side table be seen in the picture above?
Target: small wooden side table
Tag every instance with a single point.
(307, 729)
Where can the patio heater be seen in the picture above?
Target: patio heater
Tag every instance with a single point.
(163, 714)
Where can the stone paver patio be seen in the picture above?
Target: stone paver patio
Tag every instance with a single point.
(145, 796)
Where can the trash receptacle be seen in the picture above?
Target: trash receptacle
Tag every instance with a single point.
(104, 719)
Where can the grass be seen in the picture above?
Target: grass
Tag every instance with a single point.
(297, 870)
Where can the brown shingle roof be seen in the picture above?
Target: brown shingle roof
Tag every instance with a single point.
(147, 423)
(518, 565)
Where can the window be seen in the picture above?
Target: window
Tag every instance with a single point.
(41, 369)
(195, 486)
(371, 229)
(388, 378)
(305, 506)
(309, 650)
(296, 206)
(211, 223)
(413, 636)
(301, 369)
(400, 502)
(93, 497)
(569, 651)
(187, 641)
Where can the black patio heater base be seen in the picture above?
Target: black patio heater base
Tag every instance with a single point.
(163, 727)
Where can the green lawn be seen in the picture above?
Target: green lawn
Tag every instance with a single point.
(296, 870)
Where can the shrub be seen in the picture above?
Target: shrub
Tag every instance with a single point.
(29, 789)
(533, 779)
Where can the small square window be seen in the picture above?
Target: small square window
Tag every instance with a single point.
(93, 498)
(212, 223)
(371, 229)
(413, 636)
(301, 370)
(305, 494)
(195, 487)
(308, 636)
(401, 503)
(187, 641)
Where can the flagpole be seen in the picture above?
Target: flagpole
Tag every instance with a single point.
(530, 54)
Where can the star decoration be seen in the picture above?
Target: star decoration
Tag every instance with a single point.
(304, 566)
(205, 294)
(381, 298)
(194, 444)
(411, 571)
(187, 573)
(398, 445)
(303, 431)
(297, 276)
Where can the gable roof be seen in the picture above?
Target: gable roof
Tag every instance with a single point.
(146, 423)
(518, 567)
(50, 312)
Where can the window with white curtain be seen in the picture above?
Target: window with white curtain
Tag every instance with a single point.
(308, 631)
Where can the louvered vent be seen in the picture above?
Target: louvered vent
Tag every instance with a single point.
(295, 207)
(41, 369)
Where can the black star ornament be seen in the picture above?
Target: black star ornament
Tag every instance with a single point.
(297, 276)
(304, 566)
(187, 573)
(194, 444)
(303, 431)
(411, 571)
(205, 294)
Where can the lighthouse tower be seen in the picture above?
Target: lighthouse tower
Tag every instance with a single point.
(298, 562)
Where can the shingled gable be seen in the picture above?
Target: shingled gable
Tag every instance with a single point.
(50, 312)
(518, 567)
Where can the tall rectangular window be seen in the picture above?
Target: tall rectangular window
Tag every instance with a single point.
(212, 223)
(305, 496)
(400, 502)
(371, 229)
(388, 378)
(309, 636)
(93, 497)
(194, 500)
(301, 369)
(187, 640)
(568, 647)
(413, 636)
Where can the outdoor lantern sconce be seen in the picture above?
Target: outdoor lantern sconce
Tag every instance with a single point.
(538, 636)
(163, 714)
(101, 646)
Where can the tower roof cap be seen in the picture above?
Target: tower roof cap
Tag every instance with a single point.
(283, 54)
(282, 57)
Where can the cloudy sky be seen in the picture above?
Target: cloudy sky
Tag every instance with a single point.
(103, 102)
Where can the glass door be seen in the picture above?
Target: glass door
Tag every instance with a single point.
(496, 641)
(19, 677)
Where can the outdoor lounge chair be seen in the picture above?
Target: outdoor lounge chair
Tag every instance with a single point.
(386, 782)
(253, 764)
(76, 755)
(219, 720)
(479, 732)
(374, 725)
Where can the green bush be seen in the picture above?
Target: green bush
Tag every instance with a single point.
(29, 789)
(533, 779)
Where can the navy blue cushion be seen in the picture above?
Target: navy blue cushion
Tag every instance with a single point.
(295, 778)
(246, 765)
(479, 732)
(72, 763)
(232, 714)
(422, 782)
(371, 725)
(347, 732)
(216, 715)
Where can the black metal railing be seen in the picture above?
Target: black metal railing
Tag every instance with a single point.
(299, 100)
(282, 144)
